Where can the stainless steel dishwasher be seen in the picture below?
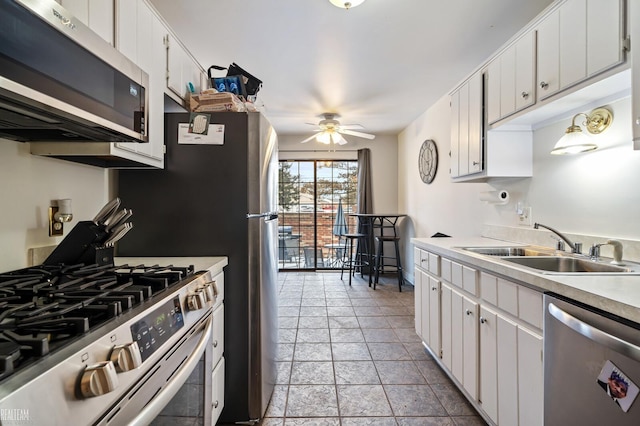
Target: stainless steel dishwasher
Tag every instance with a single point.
(591, 366)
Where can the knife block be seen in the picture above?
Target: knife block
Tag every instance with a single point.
(82, 245)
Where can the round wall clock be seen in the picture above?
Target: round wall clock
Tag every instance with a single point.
(428, 161)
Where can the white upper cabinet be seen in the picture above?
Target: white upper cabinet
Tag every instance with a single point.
(182, 71)
(548, 58)
(96, 14)
(525, 64)
(578, 40)
(466, 128)
(510, 82)
(139, 36)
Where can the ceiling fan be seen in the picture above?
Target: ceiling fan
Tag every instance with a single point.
(330, 131)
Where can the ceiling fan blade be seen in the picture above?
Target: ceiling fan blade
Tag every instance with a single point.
(309, 138)
(352, 126)
(358, 134)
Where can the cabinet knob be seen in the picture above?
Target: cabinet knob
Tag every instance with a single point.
(524, 95)
(434, 288)
(475, 163)
(215, 404)
(544, 85)
(638, 121)
(483, 320)
(468, 312)
(215, 343)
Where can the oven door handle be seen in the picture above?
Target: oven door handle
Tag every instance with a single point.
(155, 406)
(592, 333)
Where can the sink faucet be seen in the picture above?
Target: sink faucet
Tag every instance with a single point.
(594, 252)
(575, 247)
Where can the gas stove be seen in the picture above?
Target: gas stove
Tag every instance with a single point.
(43, 308)
(98, 343)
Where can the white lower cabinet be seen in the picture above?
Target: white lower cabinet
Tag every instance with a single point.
(217, 400)
(488, 333)
(217, 351)
(460, 338)
(417, 300)
(530, 384)
(427, 304)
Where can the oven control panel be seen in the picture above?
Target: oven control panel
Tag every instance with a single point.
(152, 331)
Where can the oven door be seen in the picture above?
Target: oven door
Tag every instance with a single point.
(585, 355)
(155, 389)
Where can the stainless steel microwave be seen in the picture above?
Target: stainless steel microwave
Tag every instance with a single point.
(59, 81)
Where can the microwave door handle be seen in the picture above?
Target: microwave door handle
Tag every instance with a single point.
(153, 408)
(595, 334)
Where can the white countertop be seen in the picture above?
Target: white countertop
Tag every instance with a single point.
(617, 294)
(213, 264)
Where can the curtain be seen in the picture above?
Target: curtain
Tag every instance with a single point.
(364, 195)
(365, 205)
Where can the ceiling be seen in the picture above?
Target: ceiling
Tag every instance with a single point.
(380, 64)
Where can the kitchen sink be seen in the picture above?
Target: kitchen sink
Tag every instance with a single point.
(565, 264)
(549, 261)
(509, 251)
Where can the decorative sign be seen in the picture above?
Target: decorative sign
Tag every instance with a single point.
(214, 135)
(618, 386)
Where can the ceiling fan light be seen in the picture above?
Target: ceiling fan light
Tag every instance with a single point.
(346, 4)
(324, 137)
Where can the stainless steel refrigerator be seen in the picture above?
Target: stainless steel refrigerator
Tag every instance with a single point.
(219, 200)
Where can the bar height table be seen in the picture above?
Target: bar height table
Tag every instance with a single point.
(368, 223)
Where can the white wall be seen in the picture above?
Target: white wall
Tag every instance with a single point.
(29, 183)
(384, 162)
(592, 193)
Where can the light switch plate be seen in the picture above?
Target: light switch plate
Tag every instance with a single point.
(524, 219)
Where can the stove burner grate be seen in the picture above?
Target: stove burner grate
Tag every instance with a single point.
(46, 307)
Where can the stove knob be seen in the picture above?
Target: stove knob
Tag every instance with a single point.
(126, 357)
(98, 379)
(196, 300)
(211, 291)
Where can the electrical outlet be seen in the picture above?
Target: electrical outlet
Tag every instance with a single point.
(524, 218)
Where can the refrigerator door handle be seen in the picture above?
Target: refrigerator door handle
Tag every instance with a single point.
(267, 216)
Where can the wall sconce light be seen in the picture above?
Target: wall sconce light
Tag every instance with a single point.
(345, 4)
(574, 141)
(59, 212)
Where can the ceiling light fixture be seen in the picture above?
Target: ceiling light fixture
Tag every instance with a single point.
(346, 4)
(574, 141)
(330, 136)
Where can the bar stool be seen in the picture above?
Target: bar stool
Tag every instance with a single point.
(380, 258)
(349, 262)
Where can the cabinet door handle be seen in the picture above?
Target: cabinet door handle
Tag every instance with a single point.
(524, 95)
(544, 85)
(483, 320)
(468, 312)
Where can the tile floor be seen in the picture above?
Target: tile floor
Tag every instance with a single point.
(349, 356)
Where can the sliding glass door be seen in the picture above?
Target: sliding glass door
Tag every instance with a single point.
(314, 202)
